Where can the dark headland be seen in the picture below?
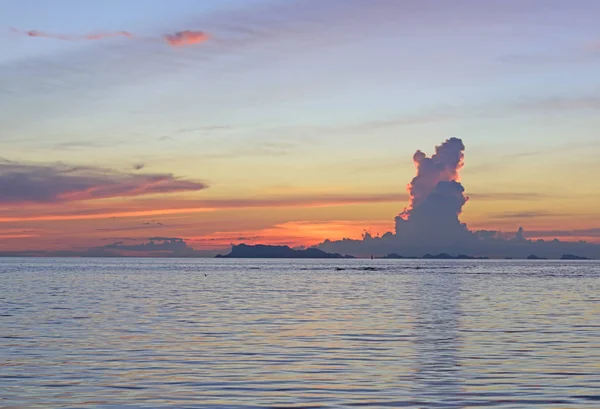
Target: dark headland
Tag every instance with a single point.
(266, 251)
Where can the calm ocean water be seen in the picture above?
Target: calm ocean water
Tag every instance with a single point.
(121, 333)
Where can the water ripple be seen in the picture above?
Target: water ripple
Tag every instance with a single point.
(111, 333)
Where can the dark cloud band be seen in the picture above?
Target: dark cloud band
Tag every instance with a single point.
(55, 183)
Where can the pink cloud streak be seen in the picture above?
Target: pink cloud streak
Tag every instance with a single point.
(177, 39)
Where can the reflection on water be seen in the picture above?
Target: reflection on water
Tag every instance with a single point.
(437, 343)
(276, 333)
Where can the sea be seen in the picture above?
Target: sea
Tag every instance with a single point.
(257, 333)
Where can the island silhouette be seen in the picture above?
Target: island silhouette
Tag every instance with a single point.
(266, 251)
(269, 251)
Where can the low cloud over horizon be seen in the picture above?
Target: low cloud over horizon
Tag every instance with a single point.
(150, 247)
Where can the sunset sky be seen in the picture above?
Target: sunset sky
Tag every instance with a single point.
(292, 121)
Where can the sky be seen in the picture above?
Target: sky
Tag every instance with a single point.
(291, 121)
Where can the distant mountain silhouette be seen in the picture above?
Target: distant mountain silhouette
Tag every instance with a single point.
(534, 257)
(266, 251)
(465, 257)
(441, 256)
(572, 257)
(446, 256)
(398, 256)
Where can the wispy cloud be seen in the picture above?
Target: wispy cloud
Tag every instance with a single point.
(4, 236)
(509, 196)
(81, 145)
(68, 37)
(257, 148)
(152, 225)
(162, 207)
(492, 110)
(559, 103)
(104, 215)
(287, 201)
(139, 207)
(524, 214)
(203, 129)
(591, 232)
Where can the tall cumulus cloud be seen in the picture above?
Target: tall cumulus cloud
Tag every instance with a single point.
(430, 222)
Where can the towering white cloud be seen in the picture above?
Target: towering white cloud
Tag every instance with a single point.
(430, 222)
(436, 197)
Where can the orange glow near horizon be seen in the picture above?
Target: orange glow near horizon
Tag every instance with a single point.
(206, 236)
(301, 221)
(105, 208)
(300, 233)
